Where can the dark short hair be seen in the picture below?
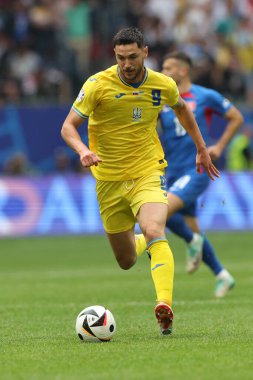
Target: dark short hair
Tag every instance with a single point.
(181, 56)
(128, 36)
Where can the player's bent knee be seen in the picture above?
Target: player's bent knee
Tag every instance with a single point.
(126, 263)
(153, 232)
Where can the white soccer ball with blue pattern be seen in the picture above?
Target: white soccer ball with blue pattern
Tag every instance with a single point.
(95, 324)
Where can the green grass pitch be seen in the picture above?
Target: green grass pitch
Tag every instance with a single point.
(46, 282)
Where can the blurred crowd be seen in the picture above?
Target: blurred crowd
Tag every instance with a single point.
(48, 48)
(63, 162)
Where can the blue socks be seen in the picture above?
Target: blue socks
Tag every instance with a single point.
(178, 226)
(210, 258)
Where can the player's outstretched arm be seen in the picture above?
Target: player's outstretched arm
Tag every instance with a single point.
(187, 120)
(70, 135)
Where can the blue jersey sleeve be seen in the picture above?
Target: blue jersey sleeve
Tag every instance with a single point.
(217, 103)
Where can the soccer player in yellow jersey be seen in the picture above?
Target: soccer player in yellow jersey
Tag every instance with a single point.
(127, 160)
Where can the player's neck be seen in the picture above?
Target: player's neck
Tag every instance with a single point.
(136, 81)
(184, 86)
(139, 79)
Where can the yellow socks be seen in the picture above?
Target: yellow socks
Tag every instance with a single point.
(140, 244)
(162, 265)
(162, 269)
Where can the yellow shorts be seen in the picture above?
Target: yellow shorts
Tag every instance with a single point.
(120, 201)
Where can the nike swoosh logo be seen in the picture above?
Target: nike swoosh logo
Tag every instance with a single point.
(157, 266)
(120, 95)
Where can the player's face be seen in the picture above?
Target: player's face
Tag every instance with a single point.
(173, 68)
(130, 59)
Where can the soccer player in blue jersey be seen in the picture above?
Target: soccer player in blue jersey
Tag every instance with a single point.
(184, 184)
(125, 155)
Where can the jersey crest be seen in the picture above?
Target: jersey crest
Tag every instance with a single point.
(137, 113)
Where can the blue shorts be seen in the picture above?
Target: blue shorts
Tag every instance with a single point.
(188, 187)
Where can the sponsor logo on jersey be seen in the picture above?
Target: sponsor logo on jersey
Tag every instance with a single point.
(93, 79)
(120, 95)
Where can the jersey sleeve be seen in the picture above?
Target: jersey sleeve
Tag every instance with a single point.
(218, 103)
(88, 97)
(173, 93)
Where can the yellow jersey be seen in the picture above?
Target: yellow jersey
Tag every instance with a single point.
(122, 122)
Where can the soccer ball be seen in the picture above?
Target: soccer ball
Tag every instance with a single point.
(95, 324)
